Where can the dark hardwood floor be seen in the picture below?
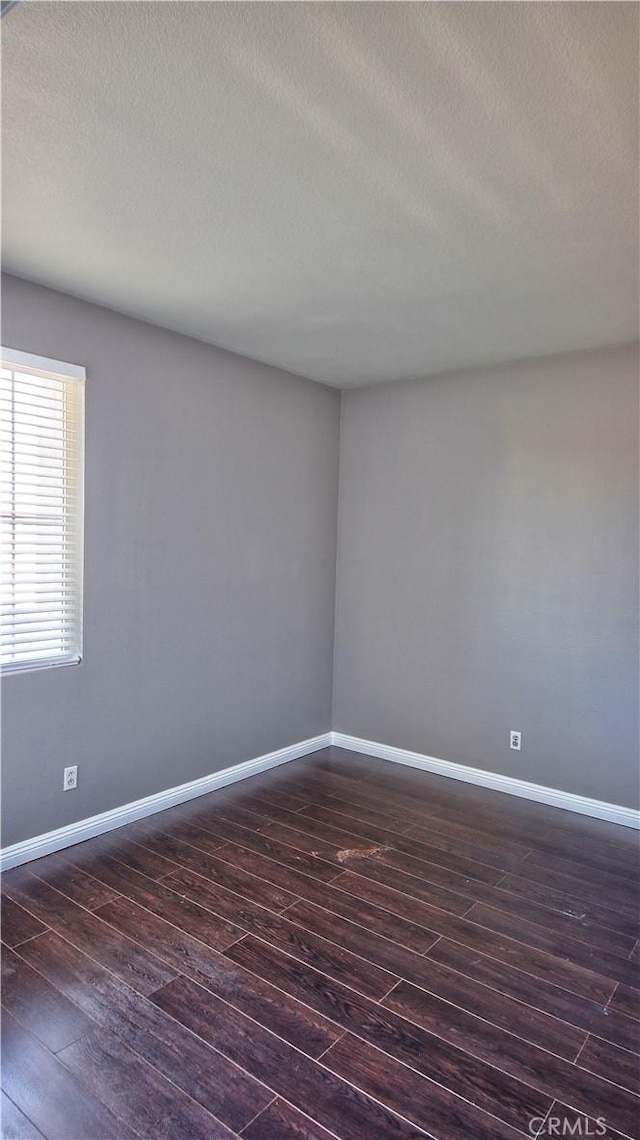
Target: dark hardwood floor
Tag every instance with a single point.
(341, 947)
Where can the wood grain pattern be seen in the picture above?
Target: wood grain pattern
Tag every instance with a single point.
(226, 1091)
(38, 1006)
(71, 881)
(289, 1073)
(626, 999)
(338, 949)
(134, 1089)
(14, 1125)
(615, 1064)
(16, 924)
(45, 1091)
(280, 1121)
(248, 993)
(429, 1053)
(83, 929)
(570, 1008)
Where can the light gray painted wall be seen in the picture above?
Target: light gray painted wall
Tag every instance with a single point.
(488, 570)
(211, 498)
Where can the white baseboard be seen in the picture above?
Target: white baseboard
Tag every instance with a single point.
(62, 837)
(599, 809)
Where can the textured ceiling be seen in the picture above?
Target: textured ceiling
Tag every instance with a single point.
(356, 192)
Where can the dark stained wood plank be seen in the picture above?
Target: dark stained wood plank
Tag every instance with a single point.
(272, 786)
(614, 1064)
(329, 1101)
(412, 816)
(496, 975)
(167, 846)
(311, 784)
(132, 963)
(291, 937)
(158, 821)
(431, 884)
(624, 901)
(514, 824)
(47, 1093)
(396, 959)
(583, 954)
(200, 907)
(581, 1012)
(574, 925)
(386, 775)
(131, 854)
(615, 881)
(16, 924)
(626, 999)
(341, 760)
(431, 872)
(585, 854)
(395, 823)
(438, 1053)
(233, 878)
(489, 809)
(415, 849)
(608, 836)
(439, 1112)
(472, 954)
(275, 796)
(445, 1001)
(324, 847)
(376, 922)
(263, 874)
(501, 1010)
(343, 847)
(546, 895)
(281, 1121)
(536, 1067)
(416, 887)
(225, 1090)
(14, 1125)
(38, 1006)
(245, 991)
(399, 893)
(137, 1092)
(434, 896)
(288, 856)
(577, 836)
(507, 950)
(431, 1053)
(494, 851)
(565, 1121)
(71, 881)
(173, 906)
(338, 902)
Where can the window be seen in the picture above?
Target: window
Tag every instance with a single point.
(41, 507)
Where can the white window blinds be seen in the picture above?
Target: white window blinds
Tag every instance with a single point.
(41, 508)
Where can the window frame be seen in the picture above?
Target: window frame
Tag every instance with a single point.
(13, 358)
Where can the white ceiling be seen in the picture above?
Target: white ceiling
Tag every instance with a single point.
(356, 192)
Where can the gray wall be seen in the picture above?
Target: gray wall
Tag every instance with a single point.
(488, 570)
(211, 498)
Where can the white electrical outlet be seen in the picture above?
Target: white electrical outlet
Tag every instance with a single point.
(515, 740)
(70, 780)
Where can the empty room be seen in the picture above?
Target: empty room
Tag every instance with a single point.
(319, 651)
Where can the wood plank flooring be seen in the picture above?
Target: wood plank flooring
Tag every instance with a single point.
(339, 948)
